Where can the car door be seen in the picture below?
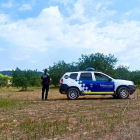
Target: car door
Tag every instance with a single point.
(103, 84)
(85, 81)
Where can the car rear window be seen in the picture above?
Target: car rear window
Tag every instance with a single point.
(74, 76)
(86, 76)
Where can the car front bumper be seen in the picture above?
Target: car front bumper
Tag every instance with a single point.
(132, 89)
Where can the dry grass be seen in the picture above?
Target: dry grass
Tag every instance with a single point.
(24, 116)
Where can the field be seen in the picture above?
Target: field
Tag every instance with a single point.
(24, 116)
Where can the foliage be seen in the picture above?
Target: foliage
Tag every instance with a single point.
(9, 72)
(104, 63)
(135, 77)
(122, 72)
(58, 70)
(4, 80)
(25, 78)
(98, 61)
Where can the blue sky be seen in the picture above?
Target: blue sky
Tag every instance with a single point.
(34, 34)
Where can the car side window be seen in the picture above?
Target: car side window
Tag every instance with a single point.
(74, 76)
(86, 76)
(101, 77)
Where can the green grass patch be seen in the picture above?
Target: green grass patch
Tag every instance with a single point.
(7, 103)
(34, 129)
(53, 87)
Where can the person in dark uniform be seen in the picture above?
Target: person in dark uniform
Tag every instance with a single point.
(45, 80)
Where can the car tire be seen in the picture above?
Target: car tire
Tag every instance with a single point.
(123, 93)
(73, 94)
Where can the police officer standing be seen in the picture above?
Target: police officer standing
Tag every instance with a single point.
(45, 80)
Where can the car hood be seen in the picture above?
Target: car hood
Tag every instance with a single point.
(125, 82)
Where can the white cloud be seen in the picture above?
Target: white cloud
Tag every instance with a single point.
(7, 5)
(51, 30)
(89, 12)
(34, 34)
(25, 7)
(79, 7)
(133, 11)
(4, 18)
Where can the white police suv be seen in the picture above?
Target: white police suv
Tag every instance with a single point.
(92, 82)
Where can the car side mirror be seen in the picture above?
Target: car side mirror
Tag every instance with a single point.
(109, 79)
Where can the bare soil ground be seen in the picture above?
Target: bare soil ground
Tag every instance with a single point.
(23, 116)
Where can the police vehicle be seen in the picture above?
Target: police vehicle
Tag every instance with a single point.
(92, 82)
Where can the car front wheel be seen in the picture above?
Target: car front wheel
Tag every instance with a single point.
(72, 94)
(123, 93)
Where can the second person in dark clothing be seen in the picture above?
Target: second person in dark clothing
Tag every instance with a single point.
(45, 79)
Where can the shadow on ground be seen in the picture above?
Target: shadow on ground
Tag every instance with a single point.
(108, 98)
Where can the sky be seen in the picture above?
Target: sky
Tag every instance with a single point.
(34, 34)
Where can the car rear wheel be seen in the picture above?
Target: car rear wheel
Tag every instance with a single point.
(123, 93)
(72, 94)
